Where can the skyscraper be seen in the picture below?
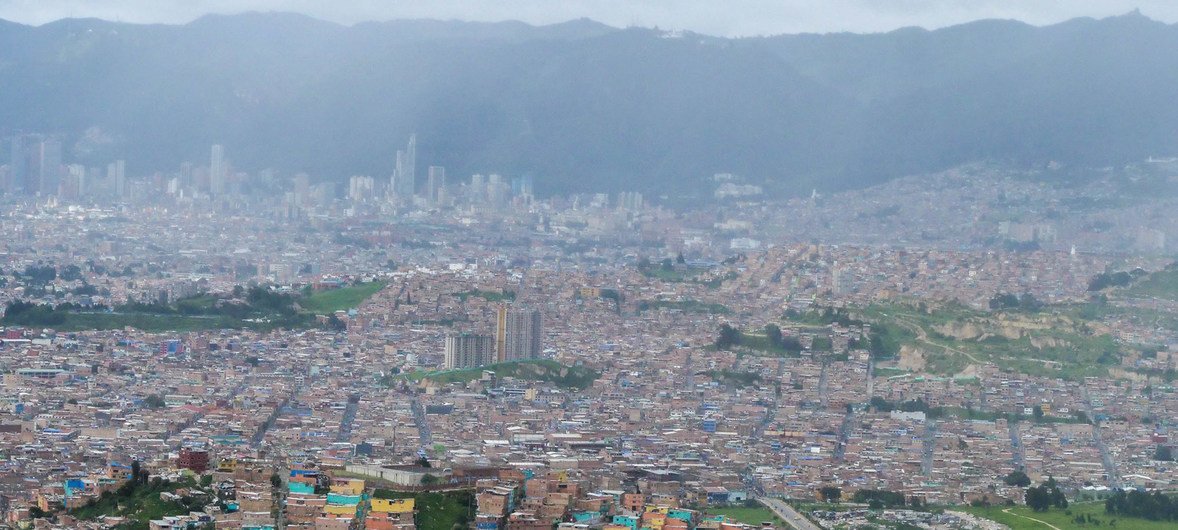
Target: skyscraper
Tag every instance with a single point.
(18, 164)
(217, 171)
(469, 351)
(116, 176)
(404, 176)
(49, 166)
(435, 183)
(517, 334)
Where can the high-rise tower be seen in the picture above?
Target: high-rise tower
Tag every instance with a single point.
(435, 183)
(404, 176)
(217, 171)
(517, 334)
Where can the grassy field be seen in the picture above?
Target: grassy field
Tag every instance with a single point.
(144, 322)
(574, 377)
(686, 306)
(266, 310)
(1053, 343)
(1062, 519)
(340, 299)
(1161, 284)
(754, 516)
(437, 511)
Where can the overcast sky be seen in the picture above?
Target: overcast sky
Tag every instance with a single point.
(715, 17)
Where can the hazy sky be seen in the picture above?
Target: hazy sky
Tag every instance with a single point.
(715, 17)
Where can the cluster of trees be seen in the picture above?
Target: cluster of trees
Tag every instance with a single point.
(38, 275)
(728, 337)
(22, 313)
(777, 340)
(1045, 496)
(1105, 280)
(879, 499)
(1017, 478)
(1155, 506)
(1026, 302)
(912, 405)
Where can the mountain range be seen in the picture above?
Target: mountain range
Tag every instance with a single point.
(585, 107)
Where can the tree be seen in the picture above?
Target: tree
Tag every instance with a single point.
(1038, 499)
(667, 265)
(773, 332)
(1017, 478)
(137, 474)
(830, 493)
(35, 512)
(154, 401)
(1046, 495)
(334, 323)
(428, 480)
(71, 273)
(1164, 453)
(1003, 301)
(729, 337)
(275, 480)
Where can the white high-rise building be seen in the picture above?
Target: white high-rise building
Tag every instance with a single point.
(404, 176)
(116, 176)
(435, 183)
(217, 171)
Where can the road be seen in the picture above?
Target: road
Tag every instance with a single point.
(771, 409)
(928, 448)
(423, 432)
(823, 380)
(840, 450)
(345, 424)
(1019, 457)
(1106, 458)
(788, 514)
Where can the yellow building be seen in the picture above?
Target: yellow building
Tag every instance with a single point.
(393, 505)
(339, 509)
(347, 486)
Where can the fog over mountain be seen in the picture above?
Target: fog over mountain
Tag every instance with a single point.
(586, 107)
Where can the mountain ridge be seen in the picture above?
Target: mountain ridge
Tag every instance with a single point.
(582, 106)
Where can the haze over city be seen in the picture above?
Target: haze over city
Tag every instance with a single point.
(731, 19)
(588, 265)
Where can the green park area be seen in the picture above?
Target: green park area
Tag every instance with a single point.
(685, 306)
(344, 298)
(754, 515)
(256, 308)
(1092, 514)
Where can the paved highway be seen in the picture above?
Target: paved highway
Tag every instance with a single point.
(786, 512)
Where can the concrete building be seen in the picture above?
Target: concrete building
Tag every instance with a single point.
(469, 351)
(517, 334)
